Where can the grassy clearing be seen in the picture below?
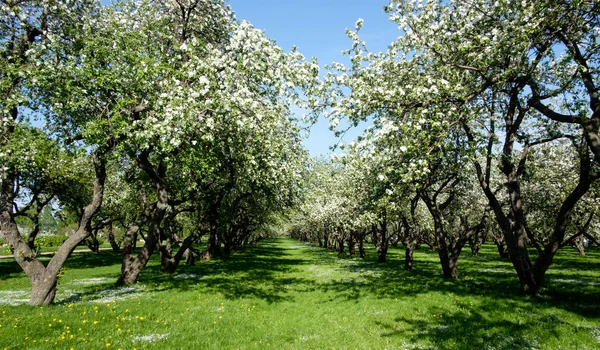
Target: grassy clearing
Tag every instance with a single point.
(289, 295)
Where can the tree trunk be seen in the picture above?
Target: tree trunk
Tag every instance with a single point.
(351, 245)
(190, 259)
(111, 239)
(448, 269)
(92, 242)
(131, 269)
(579, 245)
(409, 257)
(214, 246)
(502, 250)
(382, 247)
(361, 246)
(44, 279)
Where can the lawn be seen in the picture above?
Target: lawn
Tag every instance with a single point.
(285, 294)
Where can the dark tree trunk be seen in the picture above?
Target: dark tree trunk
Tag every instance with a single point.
(352, 245)
(190, 259)
(92, 242)
(502, 250)
(131, 269)
(409, 257)
(382, 247)
(214, 246)
(531, 275)
(361, 246)
(476, 242)
(111, 239)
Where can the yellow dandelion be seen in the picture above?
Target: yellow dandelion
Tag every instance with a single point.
(108, 345)
(49, 324)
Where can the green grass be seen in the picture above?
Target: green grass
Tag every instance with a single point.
(285, 294)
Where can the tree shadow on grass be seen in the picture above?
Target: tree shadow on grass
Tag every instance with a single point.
(484, 276)
(471, 328)
(259, 272)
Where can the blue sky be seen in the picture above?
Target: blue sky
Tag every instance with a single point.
(317, 27)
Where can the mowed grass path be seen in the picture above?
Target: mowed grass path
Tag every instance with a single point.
(285, 294)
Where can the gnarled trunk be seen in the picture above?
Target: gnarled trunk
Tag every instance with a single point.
(44, 278)
(131, 268)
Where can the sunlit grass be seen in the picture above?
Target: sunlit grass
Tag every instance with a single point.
(285, 294)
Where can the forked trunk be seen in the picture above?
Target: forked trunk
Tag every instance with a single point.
(44, 278)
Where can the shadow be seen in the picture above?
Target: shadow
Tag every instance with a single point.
(260, 272)
(470, 328)
(567, 285)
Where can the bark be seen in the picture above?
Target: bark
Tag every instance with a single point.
(44, 279)
(214, 246)
(579, 246)
(111, 239)
(190, 259)
(502, 250)
(340, 242)
(92, 242)
(531, 274)
(382, 246)
(448, 269)
(352, 245)
(131, 269)
(361, 246)
(409, 257)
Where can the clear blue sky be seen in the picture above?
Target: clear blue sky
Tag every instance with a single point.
(317, 27)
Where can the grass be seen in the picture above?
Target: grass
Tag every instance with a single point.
(284, 294)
